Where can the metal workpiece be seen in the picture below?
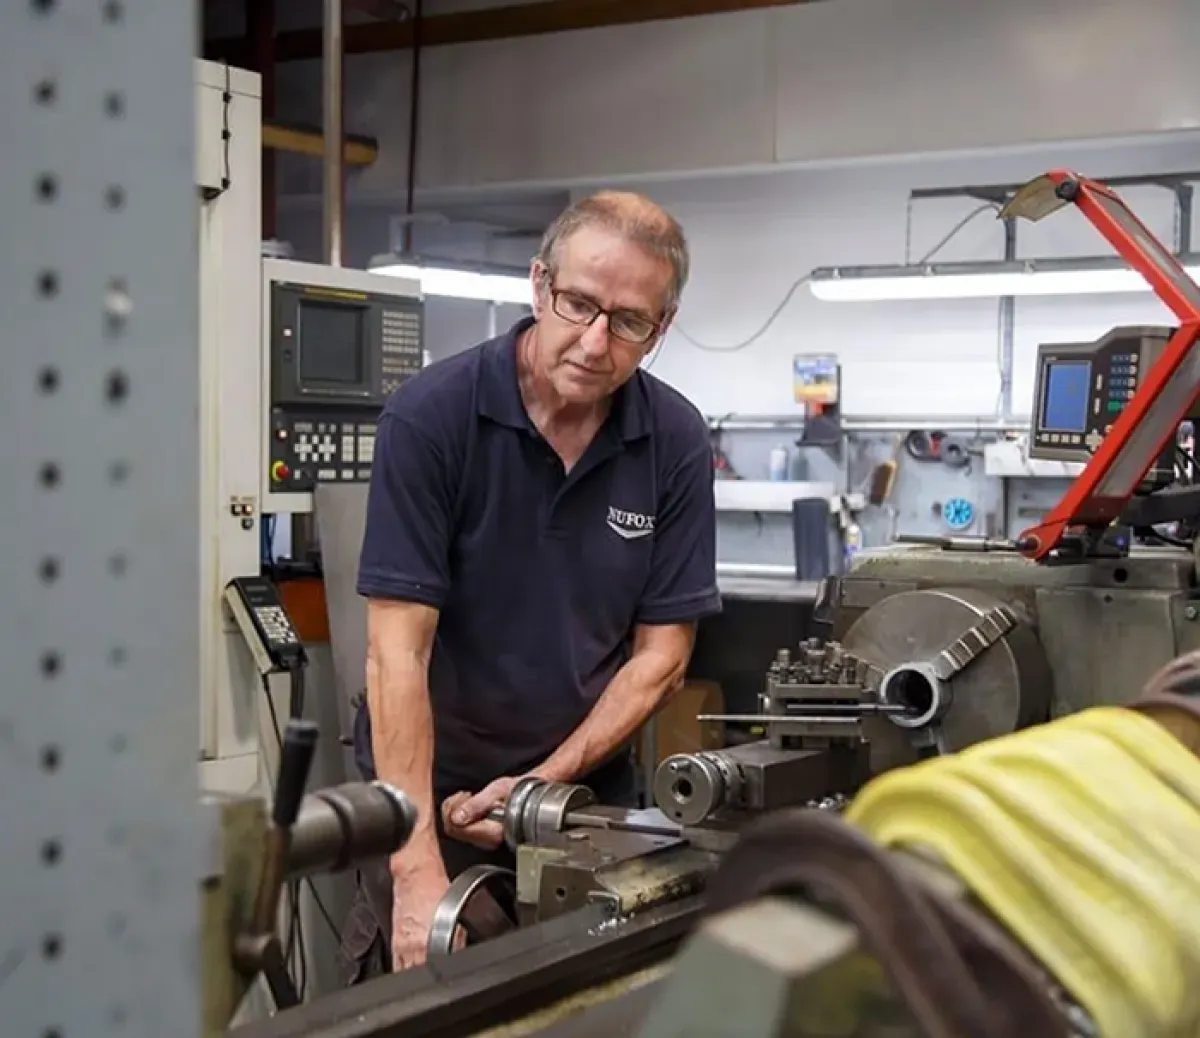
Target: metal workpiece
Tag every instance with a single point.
(691, 787)
(347, 824)
(536, 808)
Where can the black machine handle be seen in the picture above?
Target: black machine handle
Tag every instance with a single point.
(295, 763)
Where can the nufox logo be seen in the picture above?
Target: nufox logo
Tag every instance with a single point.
(630, 525)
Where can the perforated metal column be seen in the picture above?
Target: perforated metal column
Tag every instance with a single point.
(99, 844)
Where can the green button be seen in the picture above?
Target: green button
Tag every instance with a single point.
(1114, 405)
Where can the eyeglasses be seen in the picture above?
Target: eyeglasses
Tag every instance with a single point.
(624, 324)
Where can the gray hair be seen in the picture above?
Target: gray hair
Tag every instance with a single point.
(636, 219)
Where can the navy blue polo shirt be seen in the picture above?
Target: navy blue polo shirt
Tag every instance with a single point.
(540, 575)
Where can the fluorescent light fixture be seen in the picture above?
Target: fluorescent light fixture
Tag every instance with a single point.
(457, 282)
(1057, 277)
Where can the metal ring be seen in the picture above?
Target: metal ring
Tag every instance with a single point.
(916, 687)
(447, 917)
(514, 810)
(546, 812)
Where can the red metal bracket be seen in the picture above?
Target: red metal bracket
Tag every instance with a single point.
(1170, 388)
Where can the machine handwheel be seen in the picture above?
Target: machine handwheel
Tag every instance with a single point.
(482, 900)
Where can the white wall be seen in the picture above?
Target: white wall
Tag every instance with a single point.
(752, 237)
(815, 83)
(823, 117)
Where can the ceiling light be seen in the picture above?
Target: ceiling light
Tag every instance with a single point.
(457, 282)
(982, 280)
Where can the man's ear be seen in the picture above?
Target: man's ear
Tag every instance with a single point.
(538, 278)
(665, 324)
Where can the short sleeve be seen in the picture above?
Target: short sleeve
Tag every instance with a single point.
(410, 508)
(683, 571)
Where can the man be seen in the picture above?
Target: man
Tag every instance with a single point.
(540, 543)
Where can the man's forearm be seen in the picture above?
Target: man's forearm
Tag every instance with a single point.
(635, 692)
(402, 741)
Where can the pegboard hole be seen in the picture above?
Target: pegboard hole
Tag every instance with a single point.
(46, 187)
(51, 758)
(52, 1032)
(118, 472)
(117, 656)
(1120, 574)
(52, 945)
(114, 196)
(116, 387)
(42, 6)
(118, 564)
(51, 853)
(49, 475)
(114, 104)
(48, 380)
(114, 11)
(45, 92)
(47, 284)
(51, 664)
(48, 570)
(118, 744)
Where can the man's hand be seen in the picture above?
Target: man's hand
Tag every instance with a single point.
(413, 902)
(465, 815)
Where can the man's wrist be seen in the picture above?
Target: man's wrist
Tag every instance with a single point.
(557, 768)
(420, 857)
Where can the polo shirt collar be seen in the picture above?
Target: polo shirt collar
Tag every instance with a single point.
(500, 395)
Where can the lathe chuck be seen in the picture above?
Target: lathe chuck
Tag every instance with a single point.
(998, 678)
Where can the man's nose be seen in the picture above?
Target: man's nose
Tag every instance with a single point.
(595, 339)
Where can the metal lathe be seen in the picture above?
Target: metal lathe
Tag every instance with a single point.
(764, 896)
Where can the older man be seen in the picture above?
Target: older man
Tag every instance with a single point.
(540, 543)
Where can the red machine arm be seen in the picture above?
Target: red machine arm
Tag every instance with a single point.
(1170, 388)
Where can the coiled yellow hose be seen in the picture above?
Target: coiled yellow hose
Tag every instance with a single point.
(1082, 837)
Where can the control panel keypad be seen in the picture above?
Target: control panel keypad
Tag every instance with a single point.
(276, 625)
(306, 451)
(403, 355)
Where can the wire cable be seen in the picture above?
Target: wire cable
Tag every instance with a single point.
(1081, 837)
(795, 287)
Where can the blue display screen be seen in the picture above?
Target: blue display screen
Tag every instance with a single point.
(1065, 403)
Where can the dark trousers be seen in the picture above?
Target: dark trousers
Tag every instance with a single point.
(366, 949)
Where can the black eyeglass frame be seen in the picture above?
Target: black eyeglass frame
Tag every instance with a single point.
(557, 293)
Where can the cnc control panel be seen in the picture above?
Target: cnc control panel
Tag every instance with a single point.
(1082, 388)
(338, 343)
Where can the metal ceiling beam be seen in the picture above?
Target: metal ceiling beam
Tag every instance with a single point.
(498, 23)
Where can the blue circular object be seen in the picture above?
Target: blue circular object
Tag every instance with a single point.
(958, 513)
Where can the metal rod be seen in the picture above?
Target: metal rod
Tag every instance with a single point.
(798, 719)
(1007, 329)
(1185, 194)
(1000, 192)
(871, 423)
(333, 183)
(756, 569)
